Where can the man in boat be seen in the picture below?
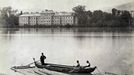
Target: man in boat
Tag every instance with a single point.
(42, 58)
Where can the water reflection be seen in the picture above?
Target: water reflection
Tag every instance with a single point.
(9, 30)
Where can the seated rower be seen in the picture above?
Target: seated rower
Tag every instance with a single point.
(76, 68)
(78, 64)
(88, 64)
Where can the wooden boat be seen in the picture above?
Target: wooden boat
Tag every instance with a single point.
(65, 68)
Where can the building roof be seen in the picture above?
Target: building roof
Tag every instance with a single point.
(63, 13)
(48, 12)
(37, 14)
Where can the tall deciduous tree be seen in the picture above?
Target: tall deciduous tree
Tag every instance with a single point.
(126, 18)
(114, 11)
(8, 17)
(81, 15)
(89, 17)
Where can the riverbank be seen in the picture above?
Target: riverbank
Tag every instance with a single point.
(65, 26)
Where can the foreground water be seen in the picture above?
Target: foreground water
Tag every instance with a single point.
(110, 50)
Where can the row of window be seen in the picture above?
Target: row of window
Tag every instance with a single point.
(23, 18)
(32, 17)
(47, 21)
(67, 17)
(44, 21)
(40, 21)
(45, 18)
(67, 21)
(64, 21)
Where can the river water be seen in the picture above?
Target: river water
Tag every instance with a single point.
(111, 50)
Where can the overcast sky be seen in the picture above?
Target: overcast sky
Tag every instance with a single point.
(60, 5)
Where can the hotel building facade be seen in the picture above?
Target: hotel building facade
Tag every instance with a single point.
(48, 17)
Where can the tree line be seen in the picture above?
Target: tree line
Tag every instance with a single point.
(98, 18)
(117, 18)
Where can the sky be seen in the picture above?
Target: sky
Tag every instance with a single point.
(60, 5)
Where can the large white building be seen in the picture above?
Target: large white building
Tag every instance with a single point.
(48, 17)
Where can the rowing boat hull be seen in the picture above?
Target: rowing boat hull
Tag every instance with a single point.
(65, 68)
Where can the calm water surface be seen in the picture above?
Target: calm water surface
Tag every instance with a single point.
(109, 50)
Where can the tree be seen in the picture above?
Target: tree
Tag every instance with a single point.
(79, 9)
(98, 13)
(126, 18)
(97, 17)
(89, 16)
(8, 17)
(80, 13)
(89, 13)
(114, 11)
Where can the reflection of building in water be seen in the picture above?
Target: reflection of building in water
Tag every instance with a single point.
(48, 17)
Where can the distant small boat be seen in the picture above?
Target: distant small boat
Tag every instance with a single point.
(65, 68)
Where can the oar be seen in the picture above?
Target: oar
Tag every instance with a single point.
(98, 69)
(33, 62)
